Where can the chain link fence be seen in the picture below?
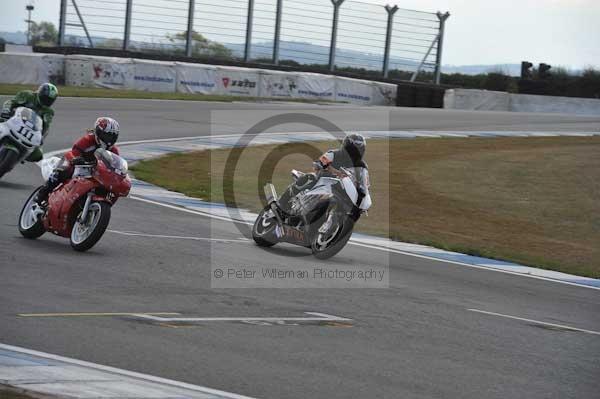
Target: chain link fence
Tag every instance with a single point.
(343, 35)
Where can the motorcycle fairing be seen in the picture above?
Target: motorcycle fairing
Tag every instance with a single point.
(295, 235)
(63, 204)
(22, 132)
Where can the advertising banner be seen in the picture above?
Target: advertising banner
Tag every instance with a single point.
(31, 68)
(155, 76)
(196, 78)
(384, 93)
(106, 72)
(354, 91)
(237, 81)
(316, 86)
(278, 84)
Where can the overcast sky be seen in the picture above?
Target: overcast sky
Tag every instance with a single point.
(559, 32)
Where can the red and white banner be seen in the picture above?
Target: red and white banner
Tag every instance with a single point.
(237, 81)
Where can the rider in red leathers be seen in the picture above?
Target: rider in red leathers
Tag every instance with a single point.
(104, 135)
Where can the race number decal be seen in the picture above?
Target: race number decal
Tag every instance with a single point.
(26, 132)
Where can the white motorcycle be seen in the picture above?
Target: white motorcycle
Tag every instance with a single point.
(19, 137)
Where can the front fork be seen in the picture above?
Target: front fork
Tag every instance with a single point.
(271, 196)
(86, 208)
(331, 219)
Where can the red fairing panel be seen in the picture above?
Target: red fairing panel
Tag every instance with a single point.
(60, 204)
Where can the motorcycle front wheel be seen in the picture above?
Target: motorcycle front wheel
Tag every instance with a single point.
(86, 234)
(8, 159)
(327, 245)
(30, 221)
(263, 230)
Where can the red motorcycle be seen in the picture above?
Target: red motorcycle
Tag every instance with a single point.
(80, 207)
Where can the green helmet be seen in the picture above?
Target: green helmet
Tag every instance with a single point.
(47, 94)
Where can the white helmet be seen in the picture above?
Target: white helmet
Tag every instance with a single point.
(106, 131)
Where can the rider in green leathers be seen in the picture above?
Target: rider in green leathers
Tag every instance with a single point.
(40, 102)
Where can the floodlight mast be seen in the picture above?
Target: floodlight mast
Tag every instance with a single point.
(29, 7)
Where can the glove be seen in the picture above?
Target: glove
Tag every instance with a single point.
(5, 115)
(318, 165)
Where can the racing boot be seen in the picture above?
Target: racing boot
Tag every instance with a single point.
(42, 195)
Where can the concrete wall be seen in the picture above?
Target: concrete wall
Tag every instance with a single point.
(501, 101)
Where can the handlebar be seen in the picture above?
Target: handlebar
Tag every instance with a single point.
(80, 161)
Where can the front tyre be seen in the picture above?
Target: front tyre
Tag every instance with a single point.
(86, 234)
(8, 160)
(327, 245)
(30, 218)
(263, 231)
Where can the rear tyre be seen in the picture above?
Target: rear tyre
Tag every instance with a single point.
(325, 246)
(30, 221)
(8, 160)
(85, 235)
(263, 231)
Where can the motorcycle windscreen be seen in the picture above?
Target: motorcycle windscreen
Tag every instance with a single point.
(112, 161)
(112, 172)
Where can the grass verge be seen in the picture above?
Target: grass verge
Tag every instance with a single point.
(534, 201)
(72, 91)
(12, 393)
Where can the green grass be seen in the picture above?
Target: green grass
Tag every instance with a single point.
(533, 201)
(9, 393)
(72, 91)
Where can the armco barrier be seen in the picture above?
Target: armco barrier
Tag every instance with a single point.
(501, 101)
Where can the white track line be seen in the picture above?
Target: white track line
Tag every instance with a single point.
(317, 317)
(126, 373)
(384, 249)
(135, 234)
(543, 323)
(397, 251)
(178, 208)
(96, 314)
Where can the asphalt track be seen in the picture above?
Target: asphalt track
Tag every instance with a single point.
(416, 339)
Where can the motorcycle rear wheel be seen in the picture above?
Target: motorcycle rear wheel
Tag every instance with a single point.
(8, 159)
(30, 226)
(85, 236)
(263, 230)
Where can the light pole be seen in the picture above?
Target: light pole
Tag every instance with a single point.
(29, 9)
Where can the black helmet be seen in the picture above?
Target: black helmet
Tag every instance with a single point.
(106, 131)
(47, 94)
(355, 145)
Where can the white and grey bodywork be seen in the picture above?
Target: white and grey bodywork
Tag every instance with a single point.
(355, 178)
(22, 133)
